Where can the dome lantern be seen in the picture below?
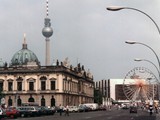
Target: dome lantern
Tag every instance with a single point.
(24, 57)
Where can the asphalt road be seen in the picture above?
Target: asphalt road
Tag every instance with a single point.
(98, 115)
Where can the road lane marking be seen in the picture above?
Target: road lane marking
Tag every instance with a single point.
(88, 117)
(108, 118)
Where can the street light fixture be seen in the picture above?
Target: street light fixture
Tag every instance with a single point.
(130, 42)
(117, 8)
(139, 60)
(134, 42)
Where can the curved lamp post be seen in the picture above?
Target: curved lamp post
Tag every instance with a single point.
(139, 60)
(134, 42)
(117, 8)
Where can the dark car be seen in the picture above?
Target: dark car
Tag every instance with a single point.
(46, 111)
(133, 109)
(23, 111)
(29, 111)
(83, 108)
(34, 110)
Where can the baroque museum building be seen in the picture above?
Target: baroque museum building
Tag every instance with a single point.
(24, 80)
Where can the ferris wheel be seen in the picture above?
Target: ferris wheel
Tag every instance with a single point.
(140, 84)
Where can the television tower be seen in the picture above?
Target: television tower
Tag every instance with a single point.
(47, 32)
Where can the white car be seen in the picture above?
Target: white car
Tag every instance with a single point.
(2, 113)
(73, 108)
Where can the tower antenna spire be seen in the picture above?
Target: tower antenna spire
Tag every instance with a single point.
(47, 8)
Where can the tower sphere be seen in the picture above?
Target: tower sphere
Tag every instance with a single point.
(47, 32)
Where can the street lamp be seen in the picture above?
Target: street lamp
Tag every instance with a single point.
(158, 70)
(139, 60)
(134, 42)
(117, 8)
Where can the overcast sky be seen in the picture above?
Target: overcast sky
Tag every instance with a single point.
(85, 32)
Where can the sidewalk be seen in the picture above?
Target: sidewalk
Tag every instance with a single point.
(158, 116)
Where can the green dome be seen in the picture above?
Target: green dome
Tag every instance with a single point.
(24, 57)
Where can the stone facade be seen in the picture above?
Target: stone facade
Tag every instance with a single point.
(46, 85)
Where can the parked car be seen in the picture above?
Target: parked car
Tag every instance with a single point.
(46, 111)
(29, 111)
(24, 112)
(73, 108)
(33, 110)
(12, 112)
(125, 107)
(83, 108)
(102, 107)
(133, 109)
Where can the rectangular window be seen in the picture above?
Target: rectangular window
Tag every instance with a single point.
(31, 86)
(19, 86)
(10, 86)
(1, 86)
(53, 85)
(43, 85)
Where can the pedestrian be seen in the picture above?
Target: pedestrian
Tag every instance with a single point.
(150, 109)
(60, 110)
(156, 109)
(67, 110)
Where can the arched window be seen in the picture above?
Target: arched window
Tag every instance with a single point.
(53, 101)
(31, 99)
(43, 101)
(9, 101)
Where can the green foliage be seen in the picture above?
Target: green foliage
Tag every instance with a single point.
(97, 96)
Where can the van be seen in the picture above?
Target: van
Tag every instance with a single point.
(92, 106)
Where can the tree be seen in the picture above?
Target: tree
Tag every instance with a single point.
(97, 96)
